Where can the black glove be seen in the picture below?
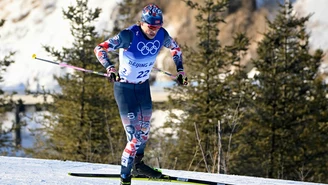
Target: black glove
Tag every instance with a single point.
(112, 75)
(181, 78)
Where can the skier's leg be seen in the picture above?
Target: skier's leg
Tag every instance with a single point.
(145, 103)
(144, 98)
(128, 108)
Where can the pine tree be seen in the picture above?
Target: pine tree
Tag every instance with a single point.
(6, 102)
(84, 123)
(236, 88)
(128, 14)
(283, 136)
(208, 99)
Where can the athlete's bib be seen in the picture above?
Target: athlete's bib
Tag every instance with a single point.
(138, 60)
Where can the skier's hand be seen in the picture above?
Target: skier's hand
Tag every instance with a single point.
(112, 75)
(181, 78)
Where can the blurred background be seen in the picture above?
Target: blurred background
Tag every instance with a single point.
(81, 121)
(30, 24)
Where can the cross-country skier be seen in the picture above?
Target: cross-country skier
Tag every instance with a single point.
(139, 46)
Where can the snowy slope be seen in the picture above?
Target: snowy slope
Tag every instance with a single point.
(318, 23)
(26, 171)
(33, 23)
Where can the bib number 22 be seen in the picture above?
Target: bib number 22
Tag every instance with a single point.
(143, 74)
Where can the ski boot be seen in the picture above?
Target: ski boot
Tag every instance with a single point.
(125, 180)
(141, 169)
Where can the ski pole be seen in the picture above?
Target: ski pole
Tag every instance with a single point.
(70, 66)
(94, 72)
(164, 72)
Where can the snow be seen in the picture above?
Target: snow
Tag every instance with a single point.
(28, 171)
(318, 23)
(30, 25)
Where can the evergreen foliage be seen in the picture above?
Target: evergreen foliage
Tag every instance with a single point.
(6, 103)
(84, 124)
(284, 125)
(236, 97)
(213, 93)
(128, 14)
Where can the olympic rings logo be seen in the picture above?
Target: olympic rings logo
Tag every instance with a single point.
(150, 47)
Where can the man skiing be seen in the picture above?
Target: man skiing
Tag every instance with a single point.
(139, 46)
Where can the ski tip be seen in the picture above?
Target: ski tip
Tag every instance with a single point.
(34, 56)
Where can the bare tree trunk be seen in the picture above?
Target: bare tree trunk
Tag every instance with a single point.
(219, 146)
(228, 151)
(192, 161)
(201, 148)
(224, 163)
(19, 110)
(89, 145)
(233, 127)
(175, 163)
(110, 142)
(214, 166)
(302, 174)
(158, 163)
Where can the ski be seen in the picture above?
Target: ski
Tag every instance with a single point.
(163, 178)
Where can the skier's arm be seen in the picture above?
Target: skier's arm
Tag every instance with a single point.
(176, 53)
(122, 40)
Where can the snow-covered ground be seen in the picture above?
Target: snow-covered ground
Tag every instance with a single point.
(27, 171)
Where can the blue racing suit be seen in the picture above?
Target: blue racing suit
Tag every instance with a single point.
(132, 93)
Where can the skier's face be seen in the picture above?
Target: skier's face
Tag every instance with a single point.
(150, 30)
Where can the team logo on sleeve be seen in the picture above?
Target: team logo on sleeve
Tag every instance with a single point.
(115, 41)
(149, 47)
